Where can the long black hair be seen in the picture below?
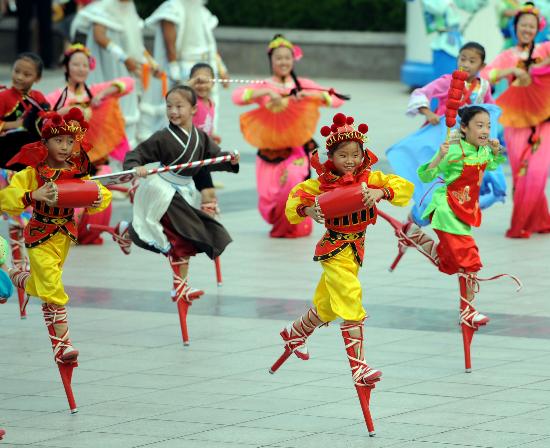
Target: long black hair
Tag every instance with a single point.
(530, 60)
(63, 97)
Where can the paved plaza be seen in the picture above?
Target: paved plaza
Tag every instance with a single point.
(137, 385)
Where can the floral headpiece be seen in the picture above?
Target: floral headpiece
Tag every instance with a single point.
(532, 9)
(75, 48)
(280, 41)
(342, 130)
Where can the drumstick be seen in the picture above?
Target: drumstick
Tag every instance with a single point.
(126, 176)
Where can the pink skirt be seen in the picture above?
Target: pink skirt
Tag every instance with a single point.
(274, 182)
(530, 173)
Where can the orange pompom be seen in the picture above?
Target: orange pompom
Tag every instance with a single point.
(339, 119)
(363, 128)
(325, 131)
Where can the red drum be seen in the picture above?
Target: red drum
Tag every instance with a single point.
(73, 193)
(341, 201)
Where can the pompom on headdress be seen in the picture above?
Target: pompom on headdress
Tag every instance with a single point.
(53, 125)
(280, 41)
(342, 130)
(76, 48)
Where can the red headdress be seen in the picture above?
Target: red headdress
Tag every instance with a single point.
(342, 130)
(72, 123)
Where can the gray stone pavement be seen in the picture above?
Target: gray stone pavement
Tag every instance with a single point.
(137, 385)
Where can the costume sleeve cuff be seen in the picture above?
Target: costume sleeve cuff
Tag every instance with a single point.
(119, 85)
(327, 98)
(493, 74)
(1, 125)
(247, 96)
(301, 210)
(388, 193)
(27, 199)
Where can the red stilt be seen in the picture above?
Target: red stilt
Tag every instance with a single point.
(218, 270)
(364, 400)
(19, 261)
(182, 294)
(286, 354)
(470, 318)
(121, 237)
(64, 353)
(183, 306)
(410, 235)
(364, 377)
(66, 372)
(467, 336)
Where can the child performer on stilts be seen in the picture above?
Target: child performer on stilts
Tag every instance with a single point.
(454, 209)
(340, 251)
(51, 229)
(166, 219)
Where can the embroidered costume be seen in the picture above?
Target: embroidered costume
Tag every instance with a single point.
(50, 232)
(527, 137)
(340, 252)
(281, 166)
(408, 154)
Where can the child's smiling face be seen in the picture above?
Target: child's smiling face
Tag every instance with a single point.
(346, 158)
(24, 74)
(179, 109)
(477, 131)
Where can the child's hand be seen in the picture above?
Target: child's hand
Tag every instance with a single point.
(276, 98)
(236, 158)
(315, 213)
(432, 117)
(133, 66)
(46, 193)
(495, 145)
(444, 149)
(371, 195)
(141, 171)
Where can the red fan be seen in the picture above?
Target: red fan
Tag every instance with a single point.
(290, 123)
(106, 129)
(527, 105)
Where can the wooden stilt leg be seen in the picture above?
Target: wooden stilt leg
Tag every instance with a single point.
(286, 354)
(54, 315)
(401, 249)
(22, 303)
(364, 400)
(66, 372)
(183, 306)
(18, 261)
(364, 377)
(467, 336)
(218, 271)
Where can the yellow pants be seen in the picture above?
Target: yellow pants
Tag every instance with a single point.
(339, 293)
(47, 261)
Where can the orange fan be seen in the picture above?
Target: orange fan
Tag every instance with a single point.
(291, 123)
(526, 106)
(106, 129)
